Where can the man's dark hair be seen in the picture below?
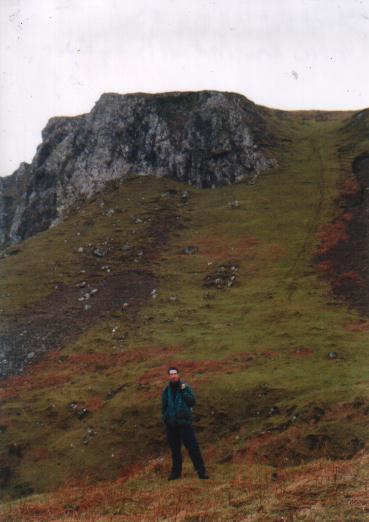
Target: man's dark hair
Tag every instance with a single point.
(173, 368)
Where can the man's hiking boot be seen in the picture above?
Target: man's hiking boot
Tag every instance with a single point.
(173, 476)
(203, 475)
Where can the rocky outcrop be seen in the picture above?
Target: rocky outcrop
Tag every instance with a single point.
(205, 139)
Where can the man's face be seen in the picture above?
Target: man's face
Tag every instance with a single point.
(173, 376)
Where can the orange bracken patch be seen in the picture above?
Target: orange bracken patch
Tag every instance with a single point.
(129, 472)
(95, 403)
(276, 252)
(347, 216)
(157, 375)
(351, 187)
(49, 373)
(358, 327)
(198, 370)
(271, 354)
(303, 352)
(16, 384)
(96, 360)
(7, 393)
(330, 235)
(38, 512)
(326, 267)
(40, 454)
(224, 248)
(348, 277)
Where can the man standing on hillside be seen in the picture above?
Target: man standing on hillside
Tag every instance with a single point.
(176, 407)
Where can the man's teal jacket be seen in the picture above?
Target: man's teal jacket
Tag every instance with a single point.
(179, 410)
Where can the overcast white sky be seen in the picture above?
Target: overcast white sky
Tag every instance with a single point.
(58, 56)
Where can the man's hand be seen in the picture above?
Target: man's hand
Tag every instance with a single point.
(183, 386)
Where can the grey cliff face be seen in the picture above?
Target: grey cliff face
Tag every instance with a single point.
(204, 139)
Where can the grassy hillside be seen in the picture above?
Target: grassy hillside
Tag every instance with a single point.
(277, 362)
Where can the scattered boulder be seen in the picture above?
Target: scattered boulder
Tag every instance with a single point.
(224, 276)
(234, 204)
(99, 253)
(90, 433)
(190, 250)
(80, 411)
(81, 414)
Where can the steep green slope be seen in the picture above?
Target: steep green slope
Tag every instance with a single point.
(255, 329)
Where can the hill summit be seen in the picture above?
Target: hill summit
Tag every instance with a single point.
(205, 139)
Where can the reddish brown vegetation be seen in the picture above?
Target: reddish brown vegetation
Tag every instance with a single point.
(341, 253)
(309, 490)
(358, 327)
(36, 512)
(94, 361)
(97, 360)
(350, 187)
(36, 377)
(7, 393)
(326, 267)
(55, 369)
(223, 248)
(330, 235)
(198, 370)
(347, 216)
(156, 376)
(50, 380)
(95, 403)
(271, 354)
(351, 277)
(276, 252)
(129, 472)
(303, 352)
(16, 384)
(40, 454)
(248, 454)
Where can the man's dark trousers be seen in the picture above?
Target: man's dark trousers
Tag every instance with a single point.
(184, 433)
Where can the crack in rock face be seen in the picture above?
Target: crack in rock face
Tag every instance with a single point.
(204, 139)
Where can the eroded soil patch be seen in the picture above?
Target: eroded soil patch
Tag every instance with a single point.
(61, 317)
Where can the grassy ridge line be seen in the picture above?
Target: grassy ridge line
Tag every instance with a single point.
(277, 311)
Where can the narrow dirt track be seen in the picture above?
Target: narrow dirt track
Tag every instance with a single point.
(312, 227)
